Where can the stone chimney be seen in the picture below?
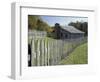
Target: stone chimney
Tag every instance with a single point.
(57, 30)
(57, 25)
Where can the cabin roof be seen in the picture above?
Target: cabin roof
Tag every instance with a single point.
(71, 29)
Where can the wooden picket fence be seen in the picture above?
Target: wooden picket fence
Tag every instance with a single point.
(46, 52)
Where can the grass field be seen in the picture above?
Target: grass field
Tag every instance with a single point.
(78, 56)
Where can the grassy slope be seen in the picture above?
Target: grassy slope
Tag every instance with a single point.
(78, 56)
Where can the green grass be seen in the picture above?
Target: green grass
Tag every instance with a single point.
(78, 56)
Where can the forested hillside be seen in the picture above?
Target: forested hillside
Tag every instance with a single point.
(36, 23)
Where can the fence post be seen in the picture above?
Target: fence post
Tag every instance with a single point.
(38, 52)
(33, 56)
(51, 53)
(56, 52)
(48, 52)
(45, 52)
(42, 45)
(41, 63)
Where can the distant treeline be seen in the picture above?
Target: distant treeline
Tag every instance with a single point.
(83, 26)
(36, 23)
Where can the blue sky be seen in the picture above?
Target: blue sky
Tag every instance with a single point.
(62, 20)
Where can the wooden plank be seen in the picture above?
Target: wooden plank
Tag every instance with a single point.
(32, 53)
(41, 64)
(38, 52)
(42, 49)
(45, 52)
(48, 52)
(53, 52)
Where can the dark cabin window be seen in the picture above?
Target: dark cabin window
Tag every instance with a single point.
(66, 36)
(61, 35)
